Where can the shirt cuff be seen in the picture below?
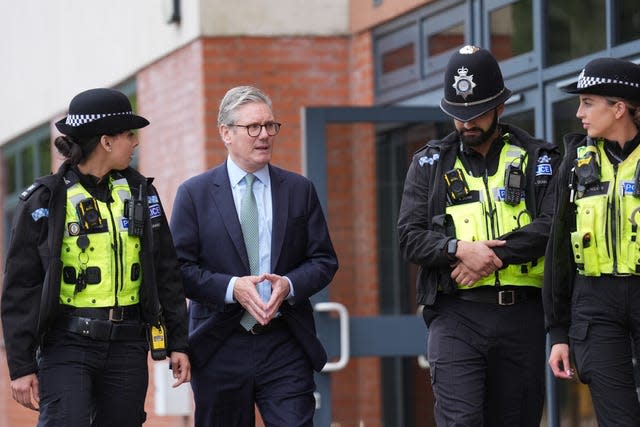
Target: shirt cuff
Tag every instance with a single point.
(228, 297)
(292, 293)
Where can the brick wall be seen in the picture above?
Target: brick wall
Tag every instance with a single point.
(180, 94)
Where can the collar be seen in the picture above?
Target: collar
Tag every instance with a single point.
(614, 149)
(236, 173)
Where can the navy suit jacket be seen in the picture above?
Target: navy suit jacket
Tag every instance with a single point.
(210, 247)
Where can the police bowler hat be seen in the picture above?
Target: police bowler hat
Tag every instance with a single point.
(100, 111)
(473, 84)
(608, 77)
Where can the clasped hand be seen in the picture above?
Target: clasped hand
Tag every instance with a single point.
(475, 261)
(246, 293)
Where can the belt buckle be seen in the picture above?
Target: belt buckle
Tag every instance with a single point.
(114, 311)
(85, 326)
(507, 297)
(257, 329)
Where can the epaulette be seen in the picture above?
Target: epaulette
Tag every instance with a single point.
(29, 191)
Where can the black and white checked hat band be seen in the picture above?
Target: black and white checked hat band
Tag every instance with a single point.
(76, 120)
(588, 81)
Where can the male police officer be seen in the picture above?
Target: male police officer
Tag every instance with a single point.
(475, 218)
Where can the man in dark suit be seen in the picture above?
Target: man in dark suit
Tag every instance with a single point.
(254, 247)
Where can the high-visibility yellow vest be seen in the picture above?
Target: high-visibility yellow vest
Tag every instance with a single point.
(605, 240)
(487, 217)
(97, 245)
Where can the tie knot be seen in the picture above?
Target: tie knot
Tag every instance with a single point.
(249, 178)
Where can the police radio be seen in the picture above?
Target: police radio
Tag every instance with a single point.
(135, 214)
(513, 185)
(158, 341)
(457, 187)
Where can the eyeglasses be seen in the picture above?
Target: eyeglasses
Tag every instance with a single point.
(254, 129)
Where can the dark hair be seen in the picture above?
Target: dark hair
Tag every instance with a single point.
(76, 149)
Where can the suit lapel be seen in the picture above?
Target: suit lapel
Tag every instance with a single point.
(223, 199)
(280, 212)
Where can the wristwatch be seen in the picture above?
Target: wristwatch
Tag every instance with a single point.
(452, 248)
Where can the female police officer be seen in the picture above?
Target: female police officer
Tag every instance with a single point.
(91, 273)
(592, 274)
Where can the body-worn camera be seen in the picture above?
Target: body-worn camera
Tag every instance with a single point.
(587, 168)
(89, 215)
(134, 210)
(513, 185)
(457, 187)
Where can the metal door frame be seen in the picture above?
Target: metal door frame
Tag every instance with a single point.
(367, 336)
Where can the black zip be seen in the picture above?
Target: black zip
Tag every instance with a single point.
(491, 216)
(614, 220)
(117, 251)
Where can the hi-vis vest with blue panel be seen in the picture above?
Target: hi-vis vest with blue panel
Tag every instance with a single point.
(605, 240)
(110, 260)
(486, 216)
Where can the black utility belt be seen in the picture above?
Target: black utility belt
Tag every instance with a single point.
(506, 295)
(103, 330)
(116, 314)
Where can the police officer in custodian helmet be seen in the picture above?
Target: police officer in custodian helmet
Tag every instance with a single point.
(91, 278)
(475, 218)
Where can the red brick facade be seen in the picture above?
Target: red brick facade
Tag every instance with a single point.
(180, 95)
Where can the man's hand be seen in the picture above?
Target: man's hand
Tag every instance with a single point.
(475, 261)
(279, 292)
(25, 390)
(181, 368)
(246, 293)
(559, 361)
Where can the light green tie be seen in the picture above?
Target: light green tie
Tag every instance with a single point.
(249, 224)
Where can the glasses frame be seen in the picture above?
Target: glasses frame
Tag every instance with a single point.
(277, 125)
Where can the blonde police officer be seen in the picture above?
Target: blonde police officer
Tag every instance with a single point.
(592, 276)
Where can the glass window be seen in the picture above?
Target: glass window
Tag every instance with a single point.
(24, 159)
(397, 62)
(443, 33)
(575, 28)
(564, 119)
(445, 40)
(627, 19)
(524, 120)
(398, 58)
(11, 168)
(511, 30)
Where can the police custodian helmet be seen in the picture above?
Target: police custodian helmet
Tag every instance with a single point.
(473, 84)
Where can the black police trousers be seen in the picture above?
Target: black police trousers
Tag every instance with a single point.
(603, 337)
(487, 362)
(88, 382)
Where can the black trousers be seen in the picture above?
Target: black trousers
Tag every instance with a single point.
(487, 362)
(86, 382)
(604, 335)
(269, 370)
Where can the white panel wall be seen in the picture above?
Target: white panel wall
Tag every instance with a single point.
(52, 49)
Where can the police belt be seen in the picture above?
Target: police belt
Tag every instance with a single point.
(105, 324)
(116, 314)
(506, 295)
